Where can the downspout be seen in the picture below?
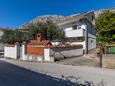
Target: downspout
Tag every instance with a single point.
(86, 37)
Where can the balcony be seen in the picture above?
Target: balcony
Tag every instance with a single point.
(74, 33)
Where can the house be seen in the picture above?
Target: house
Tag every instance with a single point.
(79, 29)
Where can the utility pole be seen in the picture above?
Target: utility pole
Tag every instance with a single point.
(101, 57)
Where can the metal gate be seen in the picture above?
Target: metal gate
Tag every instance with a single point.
(19, 51)
(111, 49)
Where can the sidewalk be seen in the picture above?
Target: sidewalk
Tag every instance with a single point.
(58, 70)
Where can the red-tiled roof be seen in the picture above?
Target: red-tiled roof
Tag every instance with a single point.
(5, 29)
(38, 42)
(23, 30)
(65, 45)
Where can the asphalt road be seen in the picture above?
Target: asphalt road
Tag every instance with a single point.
(11, 75)
(84, 73)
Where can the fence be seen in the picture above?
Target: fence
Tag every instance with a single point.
(42, 53)
(10, 51)
(110, 49)
(58, 53)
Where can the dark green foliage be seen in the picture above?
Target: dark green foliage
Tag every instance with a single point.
(49, 30)
(105, 26)
(8, 37)
(13, 36)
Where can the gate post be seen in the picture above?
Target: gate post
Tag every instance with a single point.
(24, 56)
(17, 48)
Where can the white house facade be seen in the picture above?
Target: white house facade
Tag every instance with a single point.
(79, 29)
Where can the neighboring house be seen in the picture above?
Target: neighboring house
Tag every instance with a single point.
(79, 29)
(1, 32)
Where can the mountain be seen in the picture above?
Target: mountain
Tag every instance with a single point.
(97, 12)
(56, 18)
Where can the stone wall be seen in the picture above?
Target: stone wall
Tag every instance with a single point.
(109, 60)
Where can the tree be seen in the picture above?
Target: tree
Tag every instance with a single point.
(8, 37)
(49, 30)
(13, 36)
(105, 26)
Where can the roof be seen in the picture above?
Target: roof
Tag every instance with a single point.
(24, 30)
(65, 45)
(70, 19)
(74, 18)
(38, 42)
(5, 29)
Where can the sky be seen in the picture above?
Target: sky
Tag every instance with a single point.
(14, 13)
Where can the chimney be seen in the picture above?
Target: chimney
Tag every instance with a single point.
(39, 37)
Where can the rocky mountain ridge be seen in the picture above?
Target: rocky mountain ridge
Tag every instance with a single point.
(56, 18)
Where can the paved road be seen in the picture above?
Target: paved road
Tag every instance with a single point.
(55, 70)
(11, 75)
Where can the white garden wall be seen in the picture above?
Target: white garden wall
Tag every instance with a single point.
(62, 52)
(10, 51)
(50, 53)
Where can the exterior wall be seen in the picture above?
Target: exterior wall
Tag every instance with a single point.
(1, 50)
(56, 43)
(65, 52)
(90, 37)
(91, 16)
(83, 43)
(31, 57)
(47, 54)
(34, 50)
(10, 51)
(91, 41)
(29, 54)
(34, 53)
(24, 56)
(1, 46)
(74, 33)
(90, 29)
(70, 32)
(87, 31)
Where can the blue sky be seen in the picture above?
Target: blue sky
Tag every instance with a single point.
(14, 13)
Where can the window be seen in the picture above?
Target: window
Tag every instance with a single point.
(80, 39)
(79, 27)
(75, 39)
(91, 41)
(74, 27)
(92, 18)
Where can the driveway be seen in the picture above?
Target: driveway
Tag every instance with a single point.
(12, 75)
(87, 60)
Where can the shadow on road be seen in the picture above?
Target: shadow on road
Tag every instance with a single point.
(12, 75)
